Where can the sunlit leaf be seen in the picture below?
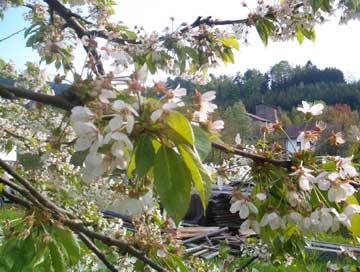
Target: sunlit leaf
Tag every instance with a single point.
(179, 128)
(57, 259)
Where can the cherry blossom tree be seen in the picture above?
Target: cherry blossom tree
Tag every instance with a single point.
(111, 135)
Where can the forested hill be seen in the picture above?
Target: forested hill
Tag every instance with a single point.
(283, 85)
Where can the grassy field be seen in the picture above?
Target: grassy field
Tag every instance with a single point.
(10, 211)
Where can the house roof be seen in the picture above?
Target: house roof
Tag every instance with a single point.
(294, 130)
(258, 118)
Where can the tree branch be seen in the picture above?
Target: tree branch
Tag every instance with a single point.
(73, 224)
(13, 34)
(17, 200)
(80, 31)
(11, 92)
(207, 21)
(22, 191)
(123, 246)
(90, 245)
(31, 189)
(254, 157)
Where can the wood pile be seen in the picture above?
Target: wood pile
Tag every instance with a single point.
(205, 241)
(218, 210)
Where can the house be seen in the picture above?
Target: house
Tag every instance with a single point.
(264, 114)
(268, 112)
(293, 131)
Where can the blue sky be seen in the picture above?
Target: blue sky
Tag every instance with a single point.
(14, 48)
(335, 46)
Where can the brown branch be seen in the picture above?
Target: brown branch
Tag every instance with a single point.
(17, 199)
(254, 157)
(22, 191)
(107, 36)
(80, 31)
(90, 245)
(207, 21)
(31, 189)
(59, 101)
(123, 246)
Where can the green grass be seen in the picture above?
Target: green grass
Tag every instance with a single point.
(314, 263)
(10, 211)
(337, 238)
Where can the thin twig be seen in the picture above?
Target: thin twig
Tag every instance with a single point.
(31, 189)
(247, 263)
(255, 157)
(90, 245)
(123, 246)
(13, 34)
(79, 29)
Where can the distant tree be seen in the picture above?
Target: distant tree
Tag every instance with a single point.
(236, 121)
(280, 73)
(342, 114)
(285, 119)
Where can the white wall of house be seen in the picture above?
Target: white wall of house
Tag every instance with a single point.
(293, 145)
(8, 157)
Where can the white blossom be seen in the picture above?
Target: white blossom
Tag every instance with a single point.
(273, 220)
(309, 108)
(243, 207)
(237, 139)
(340, 192)
(81, 114)
(345, 167)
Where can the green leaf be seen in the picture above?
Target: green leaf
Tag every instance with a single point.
(230, 42)
(329, 166)
(355, 225)
(150, 64)
(139, 266)
(261, 29)
(202, 143)
(309, 34)
(67, 238)
(9, 146)
(47, 263)
(41, 250)
(179, 128)
(145, 156)
(299, 34)
(172, 181)
(31, 40)
(57, 259)
(79, 157)
(131, 166)
(179, 263)
(193, 163)
(27, 252)
(315, 4)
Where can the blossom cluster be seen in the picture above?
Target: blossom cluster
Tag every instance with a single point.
(330, 180)
(106, 130)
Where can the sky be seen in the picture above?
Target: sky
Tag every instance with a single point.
(335, 46)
